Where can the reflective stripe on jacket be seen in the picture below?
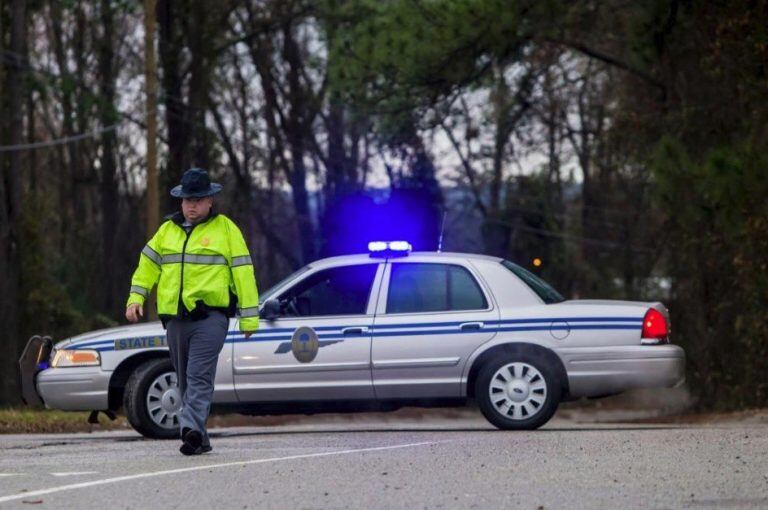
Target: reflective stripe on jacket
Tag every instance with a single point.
(204, 265)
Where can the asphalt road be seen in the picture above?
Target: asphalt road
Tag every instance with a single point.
(433, 463)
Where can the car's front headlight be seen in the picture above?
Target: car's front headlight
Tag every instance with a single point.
(78, 358)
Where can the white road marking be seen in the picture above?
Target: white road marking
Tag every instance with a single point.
(75, 473)
(93, 483)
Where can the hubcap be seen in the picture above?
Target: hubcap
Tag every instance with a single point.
(164, 401)
(517, 391)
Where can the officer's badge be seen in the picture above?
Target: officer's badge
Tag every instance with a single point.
(304, 344)
(205, 241)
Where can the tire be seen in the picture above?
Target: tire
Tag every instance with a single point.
(524, 398)
(158, 377)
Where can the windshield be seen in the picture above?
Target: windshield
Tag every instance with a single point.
(536, 284)
(270, 292)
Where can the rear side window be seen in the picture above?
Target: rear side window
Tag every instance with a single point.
(542, 289)
(427, 287)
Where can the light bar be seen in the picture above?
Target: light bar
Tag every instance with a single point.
(377, 246)
(389, 248)
(400, 246)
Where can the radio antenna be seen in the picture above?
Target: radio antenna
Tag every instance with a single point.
(442, 229)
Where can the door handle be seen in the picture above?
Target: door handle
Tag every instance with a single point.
(468, 326)
(354, 330)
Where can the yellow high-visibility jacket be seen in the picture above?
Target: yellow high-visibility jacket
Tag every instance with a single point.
(208, 264)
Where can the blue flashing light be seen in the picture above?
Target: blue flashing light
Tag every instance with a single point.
(351, 221)
(43, 365)
(389, 248)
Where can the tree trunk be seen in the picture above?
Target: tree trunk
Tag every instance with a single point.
(200, 42)
(10, 207)
(110, 290)
(170, 46)
(295, 131)
(496, 233)
(69, 156)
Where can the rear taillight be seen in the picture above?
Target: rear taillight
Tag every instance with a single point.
(655, 327)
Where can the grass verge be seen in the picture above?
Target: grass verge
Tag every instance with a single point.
(21, 420)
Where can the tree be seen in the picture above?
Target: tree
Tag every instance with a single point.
(14, 60)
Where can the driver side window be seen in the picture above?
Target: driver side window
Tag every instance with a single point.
(334, 291)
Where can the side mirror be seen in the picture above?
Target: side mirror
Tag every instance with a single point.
(271, 310)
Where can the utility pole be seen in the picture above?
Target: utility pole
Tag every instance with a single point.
(150, 72)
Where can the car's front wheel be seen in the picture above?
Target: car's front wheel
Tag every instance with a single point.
(152, 400)
(518, 391)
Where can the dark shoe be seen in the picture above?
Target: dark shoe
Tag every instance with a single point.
(193, 441)
(206, 448)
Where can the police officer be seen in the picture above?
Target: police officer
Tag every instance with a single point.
(200, 263)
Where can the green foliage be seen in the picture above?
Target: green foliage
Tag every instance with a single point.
(718, 217)
(48, 304)
(706, 144)
(400, 55)
(532, 206)
(696, 139)
(700, 127)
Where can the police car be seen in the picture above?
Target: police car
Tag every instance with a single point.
(379, 331)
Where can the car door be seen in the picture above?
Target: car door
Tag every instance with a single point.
(430, 318)
(320, 346)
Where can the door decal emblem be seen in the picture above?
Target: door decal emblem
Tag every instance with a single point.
(286, 347)
(304, 344)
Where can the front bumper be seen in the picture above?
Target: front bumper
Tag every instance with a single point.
(74, 388)
(68, 389)
(594, 372)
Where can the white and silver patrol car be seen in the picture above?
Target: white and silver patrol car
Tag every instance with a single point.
(379, 331)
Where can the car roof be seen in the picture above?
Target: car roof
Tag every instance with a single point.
(417, 256)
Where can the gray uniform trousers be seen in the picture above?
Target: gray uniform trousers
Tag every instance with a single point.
(195, 348)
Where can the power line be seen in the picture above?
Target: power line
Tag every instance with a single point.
(58, 141)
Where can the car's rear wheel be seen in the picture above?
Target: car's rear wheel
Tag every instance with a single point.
(518, 391)
(152, 400)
